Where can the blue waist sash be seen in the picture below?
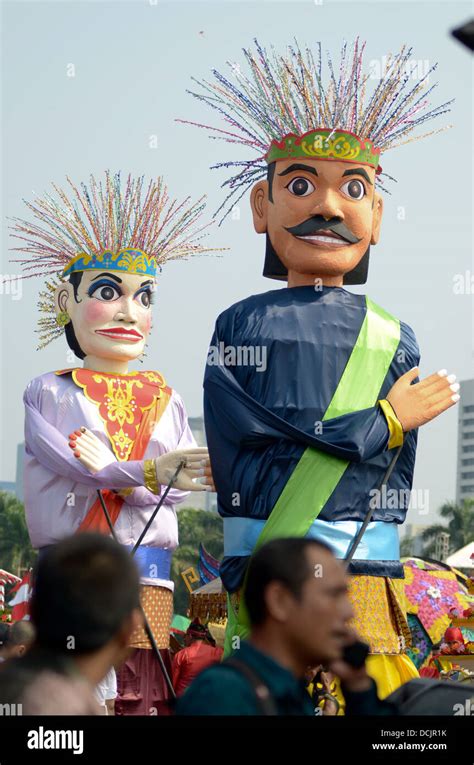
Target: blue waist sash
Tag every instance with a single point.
(152, 562)
(380, 541)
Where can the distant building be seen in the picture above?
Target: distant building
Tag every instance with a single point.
(8, 486)
(20, 461)
(202, 500)
(413, 531)
(16, 486)
(465, 459)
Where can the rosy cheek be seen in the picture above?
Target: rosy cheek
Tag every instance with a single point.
(98, 311)
(144, 322)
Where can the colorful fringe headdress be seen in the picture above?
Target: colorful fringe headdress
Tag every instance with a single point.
(281, 108)
(128, 227)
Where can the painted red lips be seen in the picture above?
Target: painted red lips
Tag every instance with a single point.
(120, 333)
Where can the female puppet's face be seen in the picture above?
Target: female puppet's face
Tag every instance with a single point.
(110, 313)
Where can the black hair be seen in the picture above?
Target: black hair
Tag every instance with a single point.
(75, 280)
(84, 588)
(281, 560)
(21, 633)
(270, 175)
(4, 631)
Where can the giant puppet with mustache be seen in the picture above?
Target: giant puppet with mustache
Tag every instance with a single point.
(299, 445)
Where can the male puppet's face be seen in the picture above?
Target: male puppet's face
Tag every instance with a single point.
(320, 215)
(110, 313)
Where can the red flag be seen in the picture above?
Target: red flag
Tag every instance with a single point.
(6, 578)
(21, 601)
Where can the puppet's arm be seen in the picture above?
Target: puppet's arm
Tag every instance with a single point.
(95, 456)
(237, 417)
(408, 406)
(51, 449)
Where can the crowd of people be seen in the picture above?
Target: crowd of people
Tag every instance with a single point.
(63, 660)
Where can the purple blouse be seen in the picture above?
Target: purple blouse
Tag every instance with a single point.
(59, 491)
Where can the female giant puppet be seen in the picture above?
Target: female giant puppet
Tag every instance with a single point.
(299, 441)
(101, 426)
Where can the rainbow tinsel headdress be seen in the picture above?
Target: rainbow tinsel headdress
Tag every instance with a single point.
(129, 227)
(282, 109)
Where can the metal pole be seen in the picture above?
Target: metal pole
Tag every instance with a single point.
(148, 629)
(360, 533)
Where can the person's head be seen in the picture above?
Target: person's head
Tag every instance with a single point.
(198, 631)
(453, 641)
(20, 638)
(298, 589)
(109, 313)
(305, 201)
(4, 630)
(86, 598)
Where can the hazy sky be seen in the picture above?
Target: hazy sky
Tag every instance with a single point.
(132, 63)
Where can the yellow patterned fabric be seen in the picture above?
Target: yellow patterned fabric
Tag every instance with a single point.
(390, 672)
(380, 620)
(380, 613)
(124, 403)
(157, 603)
(431, 591)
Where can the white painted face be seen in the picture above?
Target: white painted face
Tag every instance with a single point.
(110, 313)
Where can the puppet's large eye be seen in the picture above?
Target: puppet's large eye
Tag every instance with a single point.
(145, 297)
(354, 189)
(300, 187)
(105, 292)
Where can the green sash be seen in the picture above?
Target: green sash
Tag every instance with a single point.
(317, 474)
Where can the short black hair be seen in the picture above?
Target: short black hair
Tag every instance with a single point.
(270, 175)
(21, 633)
(4, 631)
(84, 588)
(75, 280)
(281, 560)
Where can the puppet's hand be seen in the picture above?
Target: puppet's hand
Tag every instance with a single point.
(196, 465)
(421, 402)
(90, 450)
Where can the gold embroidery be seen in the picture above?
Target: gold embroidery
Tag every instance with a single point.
(149, 474)
(337, 147)
(122, 401)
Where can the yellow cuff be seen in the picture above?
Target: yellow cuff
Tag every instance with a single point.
(394, 424)
(149, 474)
(125, 492)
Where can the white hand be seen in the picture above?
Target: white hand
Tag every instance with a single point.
(90, 450)
(418, 403)
(196, 466)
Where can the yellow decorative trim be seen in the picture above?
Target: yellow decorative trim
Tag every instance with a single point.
(190, 577)
(394, 424)
(125, 492)
(128, 259)
(119, 405)
(333, 147)
(151, 376)
(149, 474)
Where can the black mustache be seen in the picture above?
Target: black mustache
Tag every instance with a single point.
(317, 223)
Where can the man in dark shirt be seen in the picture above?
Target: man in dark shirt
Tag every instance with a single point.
(85, 607)
(297, 604)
